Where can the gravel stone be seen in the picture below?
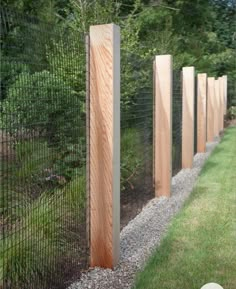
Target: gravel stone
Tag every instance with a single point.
(144, 233)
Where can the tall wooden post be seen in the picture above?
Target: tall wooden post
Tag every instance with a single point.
(163, 125)
(201, 112)
(221, 83)
(104, 145)
(210, 108)
(217, 108)
(188, 117)
(225, 94)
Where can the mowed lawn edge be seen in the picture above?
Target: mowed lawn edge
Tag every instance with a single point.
(200, 244)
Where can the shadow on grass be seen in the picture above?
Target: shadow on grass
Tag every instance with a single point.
(220, 149)
(210, 165)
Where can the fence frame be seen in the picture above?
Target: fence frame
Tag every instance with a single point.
(104, 145)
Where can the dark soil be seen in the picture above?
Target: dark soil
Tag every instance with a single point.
(135, 198)
(229, 122)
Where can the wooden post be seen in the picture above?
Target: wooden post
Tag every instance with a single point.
(225, 94)
(201, 112)
(104, 145)
(216, 108)
(163, 125)
(210, 108)
(221, 83)
(188, 117)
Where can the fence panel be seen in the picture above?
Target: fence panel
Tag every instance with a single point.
(136, 134)
(42, 153)
(177, 123)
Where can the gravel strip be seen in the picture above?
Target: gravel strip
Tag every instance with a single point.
(143, 234)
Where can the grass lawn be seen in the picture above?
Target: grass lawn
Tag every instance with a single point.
(200, 245)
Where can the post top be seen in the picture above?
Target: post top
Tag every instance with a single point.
(165, 57)
(189, 68)
(103, 26)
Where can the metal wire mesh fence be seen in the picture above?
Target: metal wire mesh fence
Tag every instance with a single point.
(136, 134)
(42, 153)
(231, 93)
(43, 149)
(177, 123)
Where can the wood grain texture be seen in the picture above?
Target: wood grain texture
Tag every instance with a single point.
(163, 125)
(188, 117)
(104, 145)
(221, 116)
(225, 93)
(217, 108)
(201, 112)
(210, 108)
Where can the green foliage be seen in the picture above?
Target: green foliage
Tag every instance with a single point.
(131, 157)
(33, 156)
(231, 113)
(31, 166)
(82, 14)
(47, 237)
(224, 21)
(37, 168)
(66, 58)
(198, 33)
(9, 72)
(43, 9)
(220, 63)
(44, 103)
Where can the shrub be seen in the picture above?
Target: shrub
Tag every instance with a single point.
(131, 157)
(43, 103)
(231, 113)
(9, 72)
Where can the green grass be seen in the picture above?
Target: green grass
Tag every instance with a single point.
(41, 230)
(23, 175)
(200, 245)
(42, 235)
